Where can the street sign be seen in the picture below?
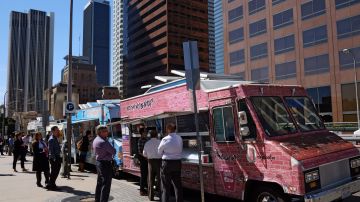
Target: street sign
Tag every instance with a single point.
(69, 108)
(191, 61)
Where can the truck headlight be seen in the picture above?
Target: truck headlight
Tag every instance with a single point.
(312, 180)
(311, 176)
(354, 166)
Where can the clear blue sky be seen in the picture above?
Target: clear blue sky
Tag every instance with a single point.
(61, 35)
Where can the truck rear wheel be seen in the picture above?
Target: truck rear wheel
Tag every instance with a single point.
(267, 194)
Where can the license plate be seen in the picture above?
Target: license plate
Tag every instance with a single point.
(345, 192)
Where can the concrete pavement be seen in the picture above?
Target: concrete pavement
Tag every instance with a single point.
(21, 186)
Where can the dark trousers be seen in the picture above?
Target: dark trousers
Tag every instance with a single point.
(171, 174)
(16, 157)
(154, 173)
(143, 173)
(103, 186)
(38, 176)
(55, 169)
(2, 149)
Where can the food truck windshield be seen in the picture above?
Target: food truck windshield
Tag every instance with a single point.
(276, 119)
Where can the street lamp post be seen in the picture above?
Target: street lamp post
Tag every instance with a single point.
(349, 51)
(4, 111)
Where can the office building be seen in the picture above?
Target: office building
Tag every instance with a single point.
(296, 42)
(119, 45)
(96, 38)
(30, 62)
(156, 31)
(83, 78)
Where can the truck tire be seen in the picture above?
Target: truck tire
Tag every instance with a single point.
(268, 194)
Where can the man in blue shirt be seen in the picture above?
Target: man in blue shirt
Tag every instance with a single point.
(54, 157)
(104, 153)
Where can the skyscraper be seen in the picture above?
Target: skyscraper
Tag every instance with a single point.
(120, 45)
(30, 59)
(297, 42)
(156, 31)
(96, 38)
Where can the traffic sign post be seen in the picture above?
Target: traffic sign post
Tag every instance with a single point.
(192, 75)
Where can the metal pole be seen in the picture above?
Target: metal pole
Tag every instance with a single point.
(356, 90)
(69, 94)
(3, 121)
(199, 145)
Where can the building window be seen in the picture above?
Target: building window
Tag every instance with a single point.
(348, 27)
(257, 28)
(237, 57)
(285, 70)
(274, 2)
(260, 74)
(347, 61)
(224, 124)
(236, 35)
(240, 74)
(258, 51)
(317, 64)
(315, 36)
(256, 6)
(283, 19)
(235, 14)
(321, 97)
(348, 97)
(284, 44)
(312, 9)
(345, 3)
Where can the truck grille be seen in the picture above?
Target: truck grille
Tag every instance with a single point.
(334, 172)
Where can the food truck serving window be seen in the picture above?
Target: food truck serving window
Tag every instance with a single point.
(304, 113)
(224, 124)
(273, 116)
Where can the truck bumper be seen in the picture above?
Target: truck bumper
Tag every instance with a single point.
(339, 192)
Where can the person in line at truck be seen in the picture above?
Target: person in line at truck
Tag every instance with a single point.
(170, 148)
(104, 153)
(143, 161)
(54, 157)
(18, 150)
(83, 146)
(154, 163)
(41, 159)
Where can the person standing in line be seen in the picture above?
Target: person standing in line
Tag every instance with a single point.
(154, 163)
(41, 159)
(104, 153)
(2, 145)
(171, 148)
(143, 161)
(54, 157)
(26, 141)
(11, 145)
(84, 148)
(18, 151)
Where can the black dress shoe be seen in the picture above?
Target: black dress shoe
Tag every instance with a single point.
(39, 184)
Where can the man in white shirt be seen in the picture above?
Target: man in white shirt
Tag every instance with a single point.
(154, 162)
(171, 148)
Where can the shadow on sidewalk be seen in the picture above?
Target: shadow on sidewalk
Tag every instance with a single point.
(2, 175)
(71, 190)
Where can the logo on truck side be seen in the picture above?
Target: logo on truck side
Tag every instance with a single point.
(140, 105)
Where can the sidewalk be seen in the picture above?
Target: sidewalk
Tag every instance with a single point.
(21, 186)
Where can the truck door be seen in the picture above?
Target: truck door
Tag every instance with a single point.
(226, 152)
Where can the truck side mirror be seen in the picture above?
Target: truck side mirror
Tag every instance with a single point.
(242, 118)
(244, 131)
(243, 121)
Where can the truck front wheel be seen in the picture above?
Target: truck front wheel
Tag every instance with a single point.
(267, 194)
